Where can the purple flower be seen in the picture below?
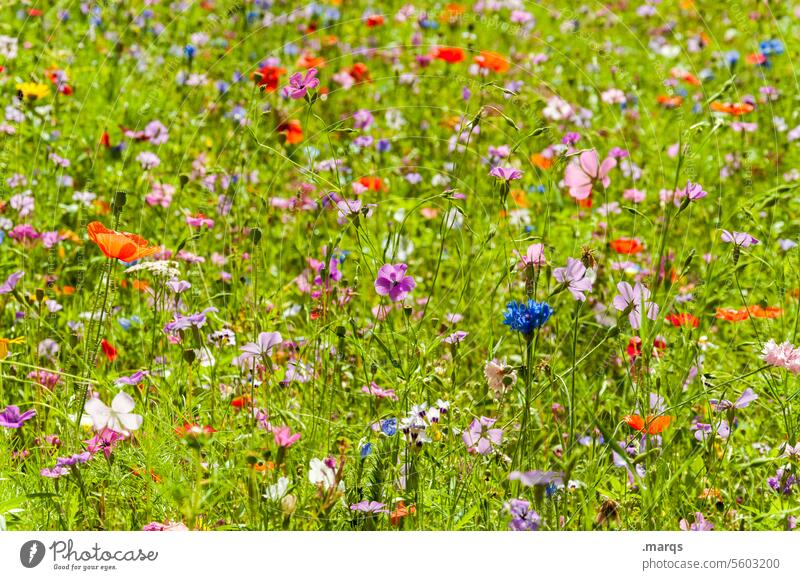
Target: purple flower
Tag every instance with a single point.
(700, 524)
(574, 277)
(55, 472)
(739, 239)
(536, 477)
(198, 320)
(104, 441)
(747, 397)
(480, 437)
(534, 257)
(11, 282)
(299, 84)
(12, 419)
(523, 518)
(506, 173)
(133, 379)
(456, 337)
(632, 300)
(370, 507)
(393, 282)
(263, 347)
(783, 481)
(694, 191)
(73, 459)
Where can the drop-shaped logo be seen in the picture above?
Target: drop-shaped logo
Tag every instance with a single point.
(31, 553)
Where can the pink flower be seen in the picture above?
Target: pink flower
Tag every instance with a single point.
(581, 176)
(376, 391)
(284, 437)
(783, 355)
(575, 278)
(481, 438)
(533, 257)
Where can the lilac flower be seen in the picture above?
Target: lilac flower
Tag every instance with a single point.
(632, 300)
(700, 524)
(197, 320)
(536, 477)
(369, 507)
(379, 393)
(11, 418)
(523, 518)
(73, 459)
(263, 347)
(300, 84)
(132, 380)
(739, 239)
(506, 173)
(393, 282)
(703, 431)
(11, 282)
(456, 337)
(575, 278)
(481, 438)
(783, 481)
(747, 397)
(55, 472)
(694, 191)
(179, 286)
(148, 160)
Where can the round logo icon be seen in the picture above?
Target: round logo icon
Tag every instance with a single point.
(31, 553)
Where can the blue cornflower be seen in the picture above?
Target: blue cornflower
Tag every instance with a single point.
(770, 47)
(189, 51)
(366, 449)
(527, 317)
(389, 427)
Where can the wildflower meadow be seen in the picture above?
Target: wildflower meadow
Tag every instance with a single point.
(349, 265)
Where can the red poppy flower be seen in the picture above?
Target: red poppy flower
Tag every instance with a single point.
(194, 430)
(292, 131)
(372, 183)
(731, 314)
(268, 77)
(652, 425)
(626, 246)
(120, 245)
(756, 58)
(110, 351)
(308, 60)
(683, 319)
(374, 20)
(241, 401)
(105, 140)
(359, 72)
(449, 54)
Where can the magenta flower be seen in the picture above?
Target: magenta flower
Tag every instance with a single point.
(694, 191)
(581, 176)
(11, 418)
(506, 173)
(481, 438)
(632, 300)
(104, 441)
(739, 239)
(393, 282)
(700, 524)
(574, 277)
(300, 84)
(377, 392)
(284, 437)
(534, 257)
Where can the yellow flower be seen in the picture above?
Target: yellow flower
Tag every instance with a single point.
(4, 342)
(33, 91)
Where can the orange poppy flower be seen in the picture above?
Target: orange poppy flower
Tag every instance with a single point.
(652, 425)
(451, 13)
(731, 314)
(541, 161)
(449, 54)
(734, 109)
(120, 245)
(492, 61)
(757, 311)
(372, 183)
(310, 61)
(683, 319)
(400, 512)
(756, 58)
(292, 131)
(626, 246)
(670, 101)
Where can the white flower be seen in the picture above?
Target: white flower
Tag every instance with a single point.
(116, 418)
(278, 490)
(320, 473)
